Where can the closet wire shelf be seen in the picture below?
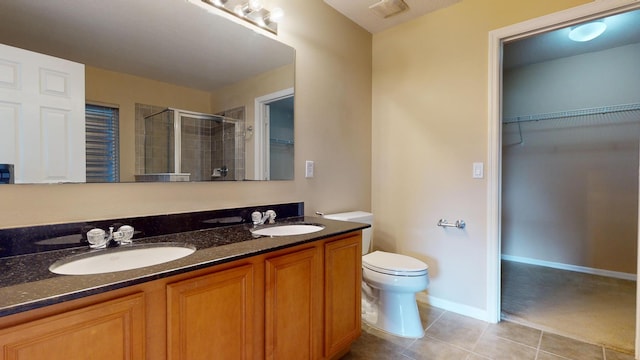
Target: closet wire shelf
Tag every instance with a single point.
(605, 115)
(572, 113)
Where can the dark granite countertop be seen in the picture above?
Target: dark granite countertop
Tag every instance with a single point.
(26, 282)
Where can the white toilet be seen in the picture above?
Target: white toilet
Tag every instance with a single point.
(390, 283)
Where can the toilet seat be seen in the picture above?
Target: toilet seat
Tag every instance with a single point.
(394, 264)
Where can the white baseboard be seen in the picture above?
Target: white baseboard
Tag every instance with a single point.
(561, 266)
(480, 314)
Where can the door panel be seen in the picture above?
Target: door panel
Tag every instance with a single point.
(42, 102)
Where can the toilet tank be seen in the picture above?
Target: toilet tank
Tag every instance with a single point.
(361, 217)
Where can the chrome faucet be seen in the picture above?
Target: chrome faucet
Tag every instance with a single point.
(259, 218)
(98, 239)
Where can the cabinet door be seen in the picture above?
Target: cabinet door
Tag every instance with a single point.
(212, 316)
(342, 278)
(293, 305)
(110, 330)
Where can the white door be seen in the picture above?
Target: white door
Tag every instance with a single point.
(42, 106)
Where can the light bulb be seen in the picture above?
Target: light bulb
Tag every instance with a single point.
(239, 10)
(255, 5)
(276, 14)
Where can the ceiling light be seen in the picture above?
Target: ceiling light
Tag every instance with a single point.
(388, 8)
(587, 31)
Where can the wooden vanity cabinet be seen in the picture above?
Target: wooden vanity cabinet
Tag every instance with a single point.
(212, 316)
(342, 294)
(301, 302)
(113, 329)
(312, 300)
(293, 305)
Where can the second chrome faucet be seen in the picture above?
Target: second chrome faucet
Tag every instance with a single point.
(259, 218)
(98, 238)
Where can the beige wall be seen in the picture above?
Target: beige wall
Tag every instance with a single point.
(429, 126)
(332, 127)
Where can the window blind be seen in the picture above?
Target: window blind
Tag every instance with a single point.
(102, 145)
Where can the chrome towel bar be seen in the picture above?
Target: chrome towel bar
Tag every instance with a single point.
(460, 224)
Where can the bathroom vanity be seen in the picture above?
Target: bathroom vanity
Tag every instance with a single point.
(237, 297)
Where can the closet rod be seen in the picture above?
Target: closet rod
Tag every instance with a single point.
(572, 113)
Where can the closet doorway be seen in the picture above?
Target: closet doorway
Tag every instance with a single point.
(568, 129)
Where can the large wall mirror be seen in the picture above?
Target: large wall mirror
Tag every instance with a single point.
(173, 91)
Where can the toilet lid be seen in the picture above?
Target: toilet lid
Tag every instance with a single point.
(394, 264)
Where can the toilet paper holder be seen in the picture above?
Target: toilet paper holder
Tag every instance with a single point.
(460, 224)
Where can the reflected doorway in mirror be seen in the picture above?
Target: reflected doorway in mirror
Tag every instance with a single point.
(274, 135)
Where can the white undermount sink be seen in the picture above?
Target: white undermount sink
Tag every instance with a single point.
(287, 230)
(121, 258)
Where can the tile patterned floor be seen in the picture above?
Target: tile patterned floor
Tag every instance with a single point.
(450, 336)
(596, 309)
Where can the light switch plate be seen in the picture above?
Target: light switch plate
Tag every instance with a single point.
(478, 170)
(308, 169)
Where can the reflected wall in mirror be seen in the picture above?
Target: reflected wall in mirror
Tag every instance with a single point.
(180, 57)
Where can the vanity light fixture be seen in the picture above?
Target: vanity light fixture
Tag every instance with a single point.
(587, 31)
(251, 11)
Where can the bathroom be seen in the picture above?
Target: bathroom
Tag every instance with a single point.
(393, 132)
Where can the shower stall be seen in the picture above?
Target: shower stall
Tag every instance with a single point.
(180, 145)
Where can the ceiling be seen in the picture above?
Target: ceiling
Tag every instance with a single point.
(175, 41)
(115, 35)
(358, 11)
(622, 29)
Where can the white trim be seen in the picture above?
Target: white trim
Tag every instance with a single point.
(494, 166)
(457, 308)
(177, 141)
(638, 269)
(496, 37)
(570, 267)
(260, 109)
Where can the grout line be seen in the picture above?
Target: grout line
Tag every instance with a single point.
(471, 352)
(539, 344)
(554, 354)
(517, 342)
(405, 348)
(475, 344)
(558, 332)
(435, 321)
